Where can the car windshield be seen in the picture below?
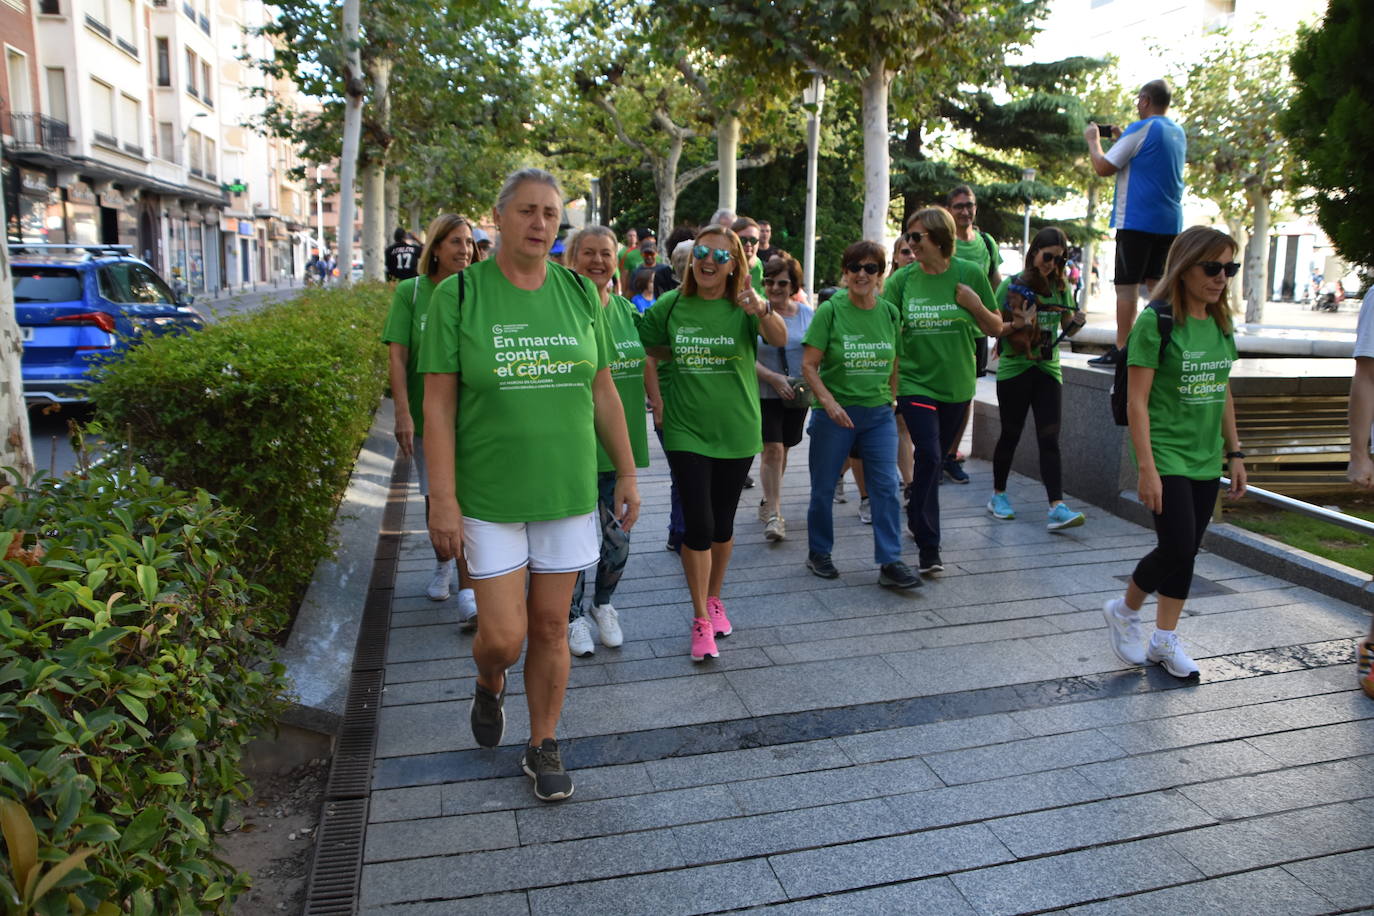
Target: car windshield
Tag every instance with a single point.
(46, 284)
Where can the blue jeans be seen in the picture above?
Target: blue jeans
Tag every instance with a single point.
(612, 563)
(677, 525)
(933, 425)
(875, 436)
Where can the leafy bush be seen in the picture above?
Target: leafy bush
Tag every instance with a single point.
(266, 411)
(133, 669)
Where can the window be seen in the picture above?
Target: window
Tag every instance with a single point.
(205, 83)
(47, 284)
(102, 112)
(328, 206)
(166, 141)
(57, 94)
(17, 67)
(131, 124)
(49, 8)
(211, 163)
(195, 153)
(164, 62)
(128, 283)
(192, 70)
(126, 25)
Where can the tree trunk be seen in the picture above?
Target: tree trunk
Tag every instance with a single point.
(1257, 257)
(877, 180)
(665, 183)
(353, 128)
(727, 151)
(16, 449)
(374, 227)
(392, 220)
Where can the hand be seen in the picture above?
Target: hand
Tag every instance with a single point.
(657, 408)
(405, 433)
(1238, 479)
(626, 500)
(446, 527)
(751, 302)
(1151, 491)
(1091, 133)
(837, 415)
(781, 385)
(967, 299)
(1075, 323)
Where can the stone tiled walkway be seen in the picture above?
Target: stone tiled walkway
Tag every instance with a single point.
(969, 747)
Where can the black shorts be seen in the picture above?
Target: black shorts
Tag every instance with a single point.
(1140, 256)
(782, 424)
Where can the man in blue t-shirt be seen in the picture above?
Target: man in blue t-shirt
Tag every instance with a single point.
(1147, 211)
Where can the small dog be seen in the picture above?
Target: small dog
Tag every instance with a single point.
(1026, 293)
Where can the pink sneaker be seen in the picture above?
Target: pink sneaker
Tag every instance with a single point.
(716, 611)
(703, 640)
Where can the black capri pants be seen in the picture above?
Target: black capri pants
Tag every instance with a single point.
(710, 489)
(1168, 569)
(1041, 392)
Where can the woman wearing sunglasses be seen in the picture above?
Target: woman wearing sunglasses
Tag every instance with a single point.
(1182, 423)
(1037, 309)
(850, 361)
(945, 303)
(708, 328)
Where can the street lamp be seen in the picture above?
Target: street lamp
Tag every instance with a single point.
(814, 97)
(1027, 176)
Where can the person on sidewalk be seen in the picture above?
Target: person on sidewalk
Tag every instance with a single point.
(1182, 420)
(1361, 470)
(945, 303)
(708, 327)
(403, 257)
(449, 250)
(1147, 209)
(591, 252)
(518, 391)
(850, 362)
(777, 368)
(749, 237)
(1037, 307)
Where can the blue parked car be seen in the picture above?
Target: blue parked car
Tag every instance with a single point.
(81, 305)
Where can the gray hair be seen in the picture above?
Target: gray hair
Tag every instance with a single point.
(722, 217)
(588, 232)
(515, 179)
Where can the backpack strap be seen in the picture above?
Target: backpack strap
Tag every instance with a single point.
(1164, 315)
(991, 246)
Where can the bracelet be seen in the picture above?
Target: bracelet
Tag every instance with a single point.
(1235, 454)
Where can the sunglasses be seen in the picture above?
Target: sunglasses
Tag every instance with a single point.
(748, 240)
(777, 281)
(1212, 268)
(915, 237)
(1058, 259)
(869, 268)
(905, 252)
(701, 252)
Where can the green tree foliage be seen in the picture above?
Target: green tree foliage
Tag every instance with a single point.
(1330, 122)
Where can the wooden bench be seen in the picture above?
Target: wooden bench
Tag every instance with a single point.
(1294, 443)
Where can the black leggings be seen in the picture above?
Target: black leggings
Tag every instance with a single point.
(710, 489)
(1041, 392)
(1188, 505)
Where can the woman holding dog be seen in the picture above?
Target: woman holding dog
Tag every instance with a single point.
(1037, 310)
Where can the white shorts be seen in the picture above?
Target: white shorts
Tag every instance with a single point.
(559, 545)
(417, 463)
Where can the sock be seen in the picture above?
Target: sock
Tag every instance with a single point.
(1159, 636)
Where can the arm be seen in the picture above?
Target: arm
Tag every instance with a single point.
(615, 439)
(1361, 470)
(776, 379)
(811, 371)
(398, 356)
(652, 391)
(441, 412)
(1230, 438)
(1150, 488)
(1099, 160)
(988, 321)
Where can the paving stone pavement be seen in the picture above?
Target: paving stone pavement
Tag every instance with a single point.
(972, 746)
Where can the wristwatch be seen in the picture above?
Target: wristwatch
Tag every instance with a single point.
(1235, 454)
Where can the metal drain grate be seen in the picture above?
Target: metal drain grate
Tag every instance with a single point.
(338, 858)
(351, 774)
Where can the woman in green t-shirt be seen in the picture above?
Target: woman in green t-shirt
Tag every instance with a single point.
(945, 304)
(591, 253)
(518, 392)
(712, 427)
(1037, 307)
(449, 248)
(1182, 420)
(849, 358)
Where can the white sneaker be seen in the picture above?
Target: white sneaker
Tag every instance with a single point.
(776, 529)
(839, 491)
(467, 608)
(1166, 650)
(1123, 629)
(764, 513)
(580, 637)
(865, 511)
(608, 625)
(438, 588)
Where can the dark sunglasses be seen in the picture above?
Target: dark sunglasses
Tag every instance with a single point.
(1059, 259)
(905, 252)
(701, 252)
(915, 237)
(869, 268)
(748, 240)
(777, 281)
(1212, 268)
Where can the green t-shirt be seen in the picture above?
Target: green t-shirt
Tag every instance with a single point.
(936, 358)
(525, 447)
(632, 261)
(627, 369)
(756, 276)
(405, 325)
(1188, 396)
(1011, 362)
(712, 406)
(857, 347)
(977, 251)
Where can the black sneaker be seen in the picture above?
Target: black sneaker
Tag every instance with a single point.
(487, 715)
(819, 563)
(930, 562)
(954, 469)
(544, 765)
(749, 482)
(898, 575)
(1110, 358)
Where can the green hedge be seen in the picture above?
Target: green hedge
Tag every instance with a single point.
(134, 666)
(266, 411)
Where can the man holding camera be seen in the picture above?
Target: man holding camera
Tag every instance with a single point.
(1147, 211)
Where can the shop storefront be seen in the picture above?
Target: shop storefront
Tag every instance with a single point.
(119, 218)
(83, 214)
(30, 222)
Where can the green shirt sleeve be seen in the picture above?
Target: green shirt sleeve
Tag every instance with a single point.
(653, 325)
(1142, 346)
(978, 282)
(818, 333)
(397, 327)
(439, 349)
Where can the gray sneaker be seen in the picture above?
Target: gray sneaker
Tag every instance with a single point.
(898, 575)
(1128, 640)
(487, 715)
(544, 765)
(1166, 651)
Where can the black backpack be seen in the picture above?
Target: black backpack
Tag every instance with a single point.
(1165, 313)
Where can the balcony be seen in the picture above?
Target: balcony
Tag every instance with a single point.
(37, 132)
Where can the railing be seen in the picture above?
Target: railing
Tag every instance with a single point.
(33, 131)
(1348, 522)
